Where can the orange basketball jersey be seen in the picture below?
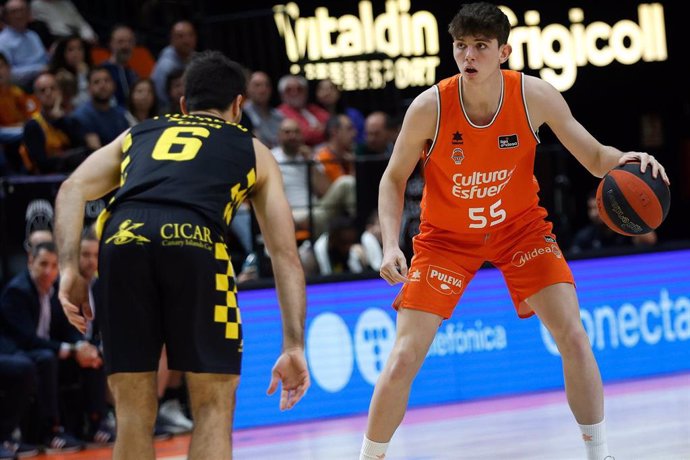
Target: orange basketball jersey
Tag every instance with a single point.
(480, 178)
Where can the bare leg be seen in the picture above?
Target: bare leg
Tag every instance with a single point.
(213, 404)
(416, 331)
(558, 309)
(135, 409)
(163, 373)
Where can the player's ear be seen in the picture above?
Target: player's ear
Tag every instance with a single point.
(505, 53)
(236, 107)
(183, 105)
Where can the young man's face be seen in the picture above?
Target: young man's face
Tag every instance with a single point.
(477, 56)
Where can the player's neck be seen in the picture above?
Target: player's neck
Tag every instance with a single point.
(481, 99)
(211, 112)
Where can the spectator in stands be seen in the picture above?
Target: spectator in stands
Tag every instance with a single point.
(377, 136)
(327, 201)
(597, 235)
(142, 102)
(174, 88)
(35, 237)
(173, 57)
(18, 381)
(16, 107)
(31, 316)
(265, 119)
(100, 122)
(329, 96)
(122, 42)
(52, 140)
(293, 90)
(70, 56)
(335, 251)
(372, 242)
(63, 19)
(336, 156)
(21, 46)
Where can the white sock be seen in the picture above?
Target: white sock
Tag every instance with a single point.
(595, 440)
(373, 450)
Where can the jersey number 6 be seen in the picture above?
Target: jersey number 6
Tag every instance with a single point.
(168, 145)
(480, 220)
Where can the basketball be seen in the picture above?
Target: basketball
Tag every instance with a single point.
(630, 202)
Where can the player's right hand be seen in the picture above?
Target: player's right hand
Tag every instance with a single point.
(290, 370)
(394, 266)
(74, 297)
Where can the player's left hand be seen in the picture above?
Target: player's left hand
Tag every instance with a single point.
(645, 160)
(291, 371)
(74, 297)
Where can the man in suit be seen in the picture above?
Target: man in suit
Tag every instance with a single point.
(32, 318)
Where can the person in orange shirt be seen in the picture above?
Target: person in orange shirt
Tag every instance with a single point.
(477, 142)
(15, 108)
(336, 156)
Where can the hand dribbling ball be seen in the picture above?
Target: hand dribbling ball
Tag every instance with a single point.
(631, 202)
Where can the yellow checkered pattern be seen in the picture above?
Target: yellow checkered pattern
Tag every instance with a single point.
(229, 313)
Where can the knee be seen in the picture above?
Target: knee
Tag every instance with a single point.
(403, 364)
(573, 341)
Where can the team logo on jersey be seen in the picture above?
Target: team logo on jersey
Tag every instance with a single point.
(415, 275)
(521, 258)
(457, 156)
(444, 281)
(508, 142)
(125, 234)
(457, 138)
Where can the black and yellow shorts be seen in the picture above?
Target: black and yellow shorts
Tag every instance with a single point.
(166, 278)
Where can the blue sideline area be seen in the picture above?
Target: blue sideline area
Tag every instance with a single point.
(635, 308)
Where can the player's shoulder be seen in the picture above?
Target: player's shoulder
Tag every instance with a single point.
(426, 103)
(537, 88)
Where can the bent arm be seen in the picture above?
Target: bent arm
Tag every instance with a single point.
(96, 176)
(275, 220)
(547, 105)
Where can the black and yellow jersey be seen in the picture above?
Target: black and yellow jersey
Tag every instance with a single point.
(202, 163)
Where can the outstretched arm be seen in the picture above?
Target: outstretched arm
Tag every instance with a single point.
(418, 127)
(275, 219)
(546, 105)
(96, 176)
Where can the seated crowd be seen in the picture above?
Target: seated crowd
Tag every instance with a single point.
(53, 392)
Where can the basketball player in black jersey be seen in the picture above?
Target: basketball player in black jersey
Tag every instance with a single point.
(164, 267)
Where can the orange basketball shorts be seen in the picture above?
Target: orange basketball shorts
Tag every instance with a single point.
(444, 263)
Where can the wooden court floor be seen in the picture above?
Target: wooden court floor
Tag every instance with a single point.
(647, 420)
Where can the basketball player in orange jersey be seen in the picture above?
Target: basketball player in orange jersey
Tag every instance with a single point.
(477, 134)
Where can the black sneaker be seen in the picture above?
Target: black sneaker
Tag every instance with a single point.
(20, 449)
(61, 442)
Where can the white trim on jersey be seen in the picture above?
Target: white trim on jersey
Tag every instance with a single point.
(524, 102)
(500, 105)
(438, 124)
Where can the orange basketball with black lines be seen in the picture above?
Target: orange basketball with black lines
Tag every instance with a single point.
(631, 202)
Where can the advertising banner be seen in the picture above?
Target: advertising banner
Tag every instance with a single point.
(635, 309)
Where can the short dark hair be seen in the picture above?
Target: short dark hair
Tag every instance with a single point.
(98, 68)
(47, 246)
(480, 19)
(89, 234)
(212, 81)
